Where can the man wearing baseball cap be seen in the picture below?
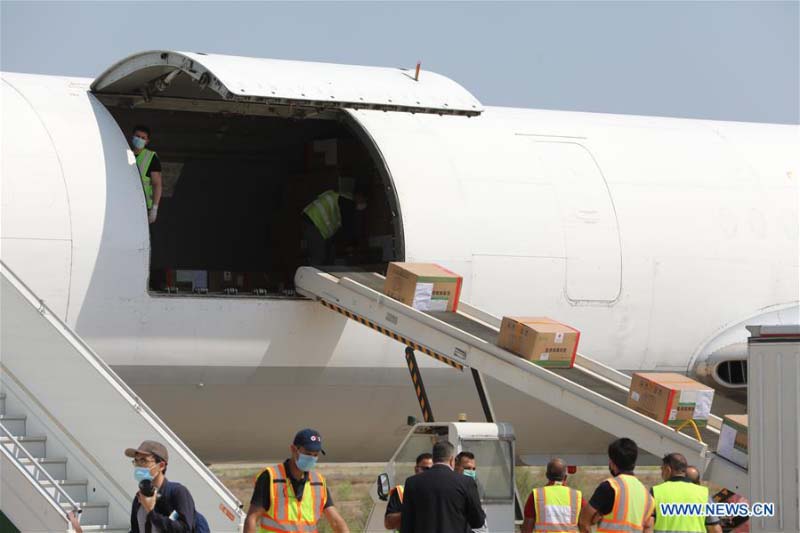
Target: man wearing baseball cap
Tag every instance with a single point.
(292, 496)
(171, 507)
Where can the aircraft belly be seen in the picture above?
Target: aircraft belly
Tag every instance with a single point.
(232, 415)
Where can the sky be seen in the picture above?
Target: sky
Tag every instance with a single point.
(713, 60)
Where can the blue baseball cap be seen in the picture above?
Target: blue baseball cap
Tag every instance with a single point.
(310, 439)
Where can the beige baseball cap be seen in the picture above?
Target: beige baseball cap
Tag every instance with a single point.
(149, 447)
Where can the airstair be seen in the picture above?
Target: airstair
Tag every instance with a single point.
(65, 420)
(590, 391)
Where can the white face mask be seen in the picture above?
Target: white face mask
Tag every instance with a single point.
(138, 142)
(361, 207)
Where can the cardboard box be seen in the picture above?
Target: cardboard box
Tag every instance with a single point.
(540, 340)
(670, 398)
(732, 443)
(423, 286)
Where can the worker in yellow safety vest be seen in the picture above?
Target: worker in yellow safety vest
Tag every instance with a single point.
(620, 503)
(554, 507)
(679, 488)
(394, 508)
(325, 216)
(149, 166)
(291, 496)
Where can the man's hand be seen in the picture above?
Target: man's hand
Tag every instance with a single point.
(392, 521)
(148, 502)
(251, 523)
(75, 522)
(589, 517)
(152, 214)
(335, 520)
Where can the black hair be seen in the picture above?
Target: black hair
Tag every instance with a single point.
(676, 462)
(421, 457)
(623, 453)
(442, 451)
(462, 455)
(556, 470)
(143, 128)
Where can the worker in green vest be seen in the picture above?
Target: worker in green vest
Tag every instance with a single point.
(149, 170)
(679, 488)
(332, 214)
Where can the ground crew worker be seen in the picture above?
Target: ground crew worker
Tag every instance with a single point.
(678, 488)
(325, 216)
(391, 519)
(620, 503)
(301, 495)
(465, 464)
(149, 170)
(554, 507)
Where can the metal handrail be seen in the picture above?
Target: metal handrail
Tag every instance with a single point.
(39, 469)
(86, 351)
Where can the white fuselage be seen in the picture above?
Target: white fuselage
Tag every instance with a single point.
(652, 236)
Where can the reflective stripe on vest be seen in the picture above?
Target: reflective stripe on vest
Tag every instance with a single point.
(288, 513)
(557, 508)
(632, 504)
(399, 489)
(679, 492)
(143, 160)
(324, 213)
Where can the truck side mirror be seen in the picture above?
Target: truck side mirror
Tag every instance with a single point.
(383, 487)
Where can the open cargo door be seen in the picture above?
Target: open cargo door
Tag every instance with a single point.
(304, 85)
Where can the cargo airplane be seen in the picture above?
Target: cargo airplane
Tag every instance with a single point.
(657, 238)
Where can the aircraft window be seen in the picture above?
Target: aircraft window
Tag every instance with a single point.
(230, 221)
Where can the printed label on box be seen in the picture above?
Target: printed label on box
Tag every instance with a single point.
(673, 414)
(635, 396)
(422, 296)
(560, 337)
(544, 357)
(703, 406)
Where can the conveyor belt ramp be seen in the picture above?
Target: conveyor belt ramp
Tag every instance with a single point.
(590, 391)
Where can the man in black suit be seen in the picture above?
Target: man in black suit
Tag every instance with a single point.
(440, 500)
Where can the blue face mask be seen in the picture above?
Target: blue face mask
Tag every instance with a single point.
(471, 473)
(138, 142)
(140, 473)
(306, 463)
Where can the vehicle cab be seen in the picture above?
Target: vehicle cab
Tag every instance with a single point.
(493, 447)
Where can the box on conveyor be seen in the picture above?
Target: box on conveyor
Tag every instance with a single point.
(670, 398)
(423, 286)
(540, 340)
(732, 443)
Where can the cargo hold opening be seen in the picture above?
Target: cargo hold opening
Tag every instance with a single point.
(235, 181)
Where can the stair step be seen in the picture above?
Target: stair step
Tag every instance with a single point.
(36, 445)
(77, 490)
(55, 466)
(94, 513)
(104, 528)
(15, 424)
